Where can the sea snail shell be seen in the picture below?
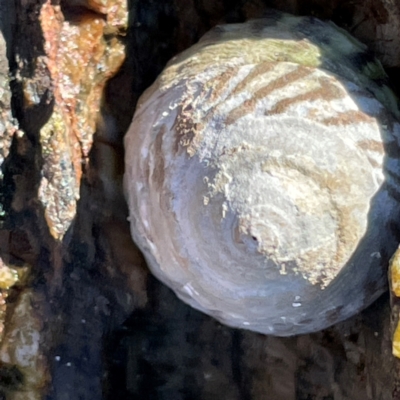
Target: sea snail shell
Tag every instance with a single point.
(262, 175)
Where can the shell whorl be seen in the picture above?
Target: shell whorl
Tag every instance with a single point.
(258, 176)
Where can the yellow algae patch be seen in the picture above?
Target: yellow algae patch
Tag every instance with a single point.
(394, 274)
(8, 277)
(396, 341)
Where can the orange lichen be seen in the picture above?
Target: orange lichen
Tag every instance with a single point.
(117, 15)
(80, 59)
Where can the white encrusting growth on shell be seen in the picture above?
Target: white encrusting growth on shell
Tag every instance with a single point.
(257, 179)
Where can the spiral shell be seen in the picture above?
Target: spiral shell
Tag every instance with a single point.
(262, 175)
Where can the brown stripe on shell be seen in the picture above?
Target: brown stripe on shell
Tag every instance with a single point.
(326, 91)
(159, 168)
(258, 70)
(218, 83)
(248, 106)
(348, 118)
(241, 86)
(373, 162)
(372, 146)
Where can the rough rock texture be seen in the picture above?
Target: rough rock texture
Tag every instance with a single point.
(255, 176)
(60, 58)
(81, 286)
(12, 271)
(172, 351)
